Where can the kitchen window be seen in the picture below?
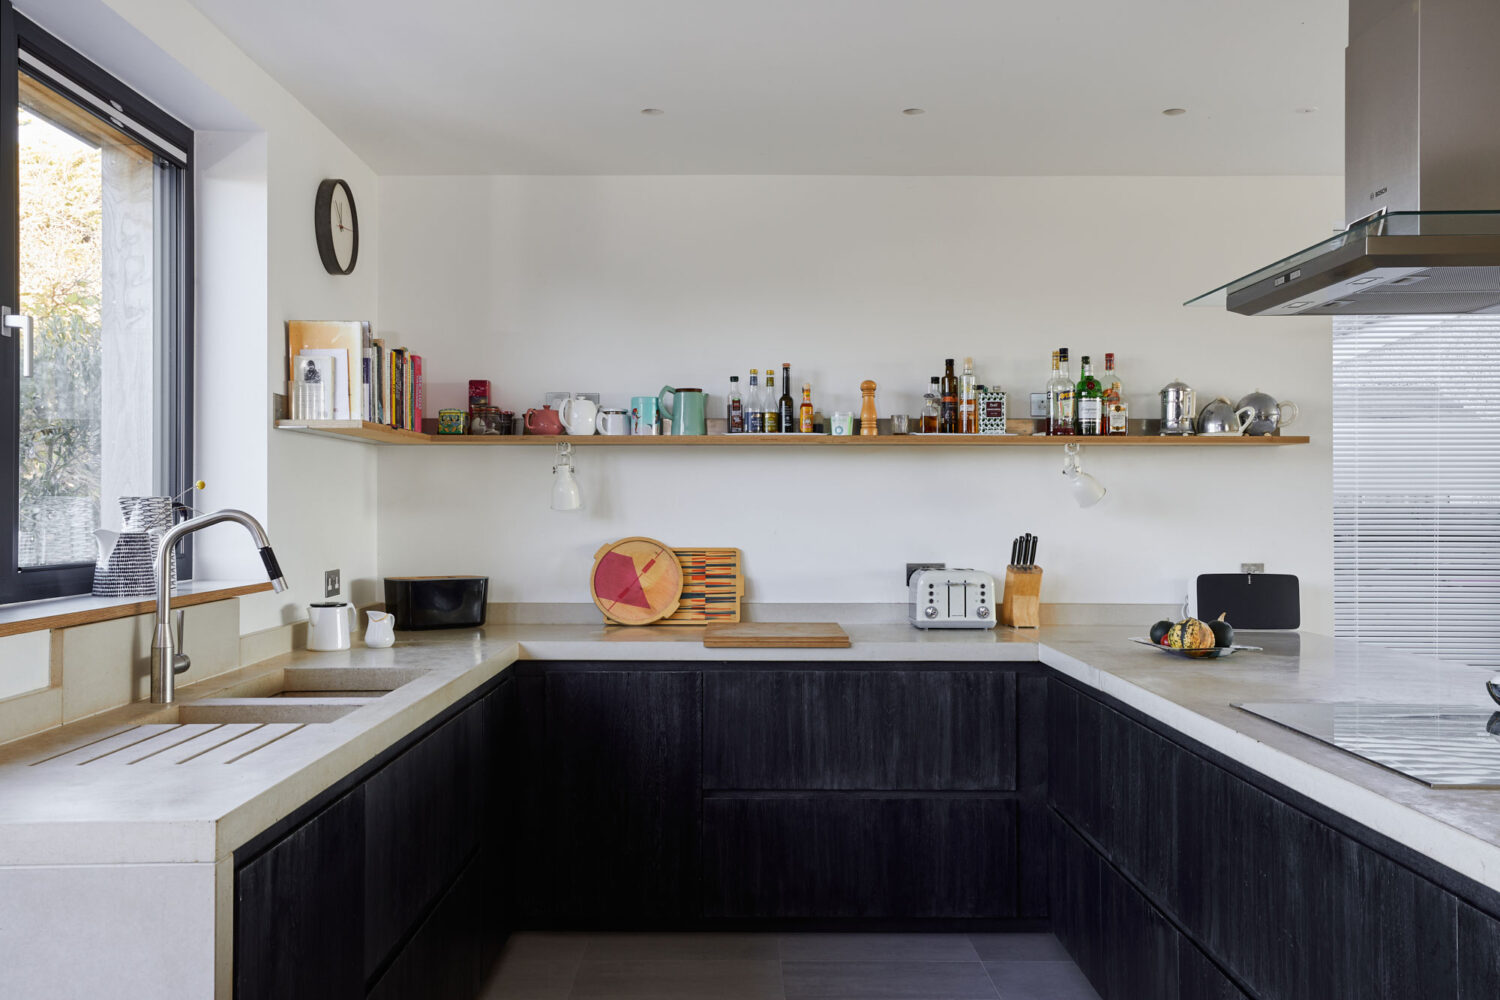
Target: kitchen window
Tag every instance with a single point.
(95, 267)
(1416, 484)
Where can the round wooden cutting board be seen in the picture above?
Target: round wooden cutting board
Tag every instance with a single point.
(636, 581)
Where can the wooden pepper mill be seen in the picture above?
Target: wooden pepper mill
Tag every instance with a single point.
(867, 419)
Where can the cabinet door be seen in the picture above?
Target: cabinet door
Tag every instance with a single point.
(860, 729)
(446, 957)
(859, 856)
(298, 906)
(623, 752)
(424, 815)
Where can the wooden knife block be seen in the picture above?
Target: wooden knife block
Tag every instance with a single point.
(1021, 605)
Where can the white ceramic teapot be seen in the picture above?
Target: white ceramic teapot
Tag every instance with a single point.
(578, 415)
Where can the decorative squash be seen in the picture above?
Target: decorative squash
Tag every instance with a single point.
(1159, 631)
(1191, 634)
(1223, 632)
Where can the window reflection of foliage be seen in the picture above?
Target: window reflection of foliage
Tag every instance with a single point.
(62, 290)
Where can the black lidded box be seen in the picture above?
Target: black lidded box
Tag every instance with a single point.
(427, 602)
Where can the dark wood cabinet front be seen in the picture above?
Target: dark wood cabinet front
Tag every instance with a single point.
(622, 777)
(298, 930)
(859, 856)
(950, 730)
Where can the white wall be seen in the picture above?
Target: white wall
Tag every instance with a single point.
(621, 284)
(260, 268)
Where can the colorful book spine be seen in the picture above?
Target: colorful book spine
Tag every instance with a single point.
(417, 395)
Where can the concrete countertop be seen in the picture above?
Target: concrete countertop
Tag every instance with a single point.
(174, 813)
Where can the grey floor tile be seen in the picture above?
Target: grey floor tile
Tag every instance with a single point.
(1040, 981)
(887, 980)
(535, 946)
(877, 948)
(723, 979)
(525, 980)
(1019, 948)
(677, 947)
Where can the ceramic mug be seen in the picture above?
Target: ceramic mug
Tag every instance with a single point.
(578, 415)
(613, 422)
(685, 409)
(380, 632)
(328, 625)
(643, 418)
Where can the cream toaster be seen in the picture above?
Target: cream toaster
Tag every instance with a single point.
(952, 598)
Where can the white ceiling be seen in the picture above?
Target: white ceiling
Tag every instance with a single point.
(812, 86)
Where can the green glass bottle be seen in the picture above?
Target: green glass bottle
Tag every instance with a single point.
(1088, 402)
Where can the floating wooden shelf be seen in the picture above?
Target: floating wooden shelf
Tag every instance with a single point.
(355, 430)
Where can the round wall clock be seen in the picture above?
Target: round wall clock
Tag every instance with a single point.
(337, 226)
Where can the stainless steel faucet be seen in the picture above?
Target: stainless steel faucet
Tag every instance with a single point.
(166, 662)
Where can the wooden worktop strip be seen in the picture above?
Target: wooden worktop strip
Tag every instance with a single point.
(35, 617)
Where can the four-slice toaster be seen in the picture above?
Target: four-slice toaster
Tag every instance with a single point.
(952, 598)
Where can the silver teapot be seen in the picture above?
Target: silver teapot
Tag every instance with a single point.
(1268, 415)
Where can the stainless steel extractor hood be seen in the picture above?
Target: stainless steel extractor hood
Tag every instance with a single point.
(1421, 173)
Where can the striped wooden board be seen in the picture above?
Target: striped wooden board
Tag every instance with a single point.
(712, 587)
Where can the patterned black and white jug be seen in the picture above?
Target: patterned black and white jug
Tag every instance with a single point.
(126, 566)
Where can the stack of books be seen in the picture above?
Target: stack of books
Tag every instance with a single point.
(369, 381)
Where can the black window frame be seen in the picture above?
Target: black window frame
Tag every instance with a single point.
(174, 312)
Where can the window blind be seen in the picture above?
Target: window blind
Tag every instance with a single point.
(1416, 484)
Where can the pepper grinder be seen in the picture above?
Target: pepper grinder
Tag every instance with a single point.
(867, 418)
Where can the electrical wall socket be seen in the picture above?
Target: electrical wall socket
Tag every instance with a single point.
(331, 585)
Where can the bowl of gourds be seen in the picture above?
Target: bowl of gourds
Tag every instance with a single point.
(1194, 638)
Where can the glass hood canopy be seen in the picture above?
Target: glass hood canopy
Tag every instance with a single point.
(1397, 263)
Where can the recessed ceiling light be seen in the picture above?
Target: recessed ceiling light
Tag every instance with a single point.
(913, 111)
(1174, 112)
(652, 111)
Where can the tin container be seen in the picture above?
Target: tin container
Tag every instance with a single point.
(991, 404)
(451, 421)
(1179, 405)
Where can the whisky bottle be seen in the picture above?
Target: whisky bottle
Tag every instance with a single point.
(1116, 410)
(948, 418)
(1088, 401)
(1060, 396)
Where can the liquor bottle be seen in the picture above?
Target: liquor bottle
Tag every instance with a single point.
(755, 413)
(768, 403)
(1116, 410)
(948, 418)
(931, 412)
(786, 410)
(736, 407)
(1060, 397)
(968, 400)
(1088, 401)
(805, 418)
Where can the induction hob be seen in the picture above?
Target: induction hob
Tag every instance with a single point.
(1442, 746)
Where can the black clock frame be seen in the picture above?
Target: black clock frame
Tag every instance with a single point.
(324, 228)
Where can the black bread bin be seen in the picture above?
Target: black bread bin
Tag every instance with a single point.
(428, 602)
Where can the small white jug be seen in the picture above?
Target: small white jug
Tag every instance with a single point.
(380, 631)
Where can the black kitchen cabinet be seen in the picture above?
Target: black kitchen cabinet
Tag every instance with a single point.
(388, 882)
(622, 787)
(1290, 904)
(293, 932)
(859, 856)
(951, 730)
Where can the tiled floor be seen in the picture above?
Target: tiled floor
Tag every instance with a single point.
(786, 967)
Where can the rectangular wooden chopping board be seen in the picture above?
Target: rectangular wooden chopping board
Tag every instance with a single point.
(775, 635)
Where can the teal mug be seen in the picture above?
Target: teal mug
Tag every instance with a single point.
(685, 409)
(643, 415)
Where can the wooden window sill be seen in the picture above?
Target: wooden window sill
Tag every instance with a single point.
(65, 612)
